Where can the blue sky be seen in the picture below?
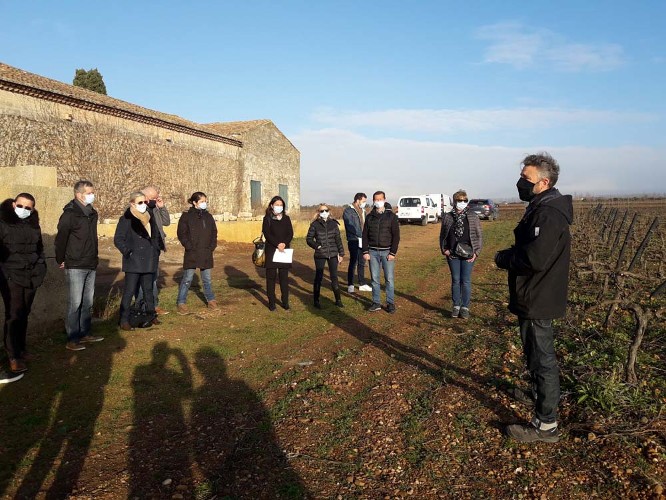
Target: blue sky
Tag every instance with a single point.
(407, 97)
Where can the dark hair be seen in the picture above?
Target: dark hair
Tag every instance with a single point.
(359, 196)
(27, 196)
(196, 197)
(270, 205)
(377, 193)
(546, 165)
(80, 186)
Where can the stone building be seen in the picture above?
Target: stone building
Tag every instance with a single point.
(121, 147)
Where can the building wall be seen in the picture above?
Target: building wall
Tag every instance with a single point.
(269, 157)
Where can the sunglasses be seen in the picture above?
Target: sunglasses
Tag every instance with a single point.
(29, 209)
(464, 200)
(141, 202)
(323, 211)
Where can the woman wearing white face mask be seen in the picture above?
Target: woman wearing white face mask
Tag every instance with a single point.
(460, 240)
(139, 240)
(197, 232)
(324, 236)
(22, 271)
(279, 232)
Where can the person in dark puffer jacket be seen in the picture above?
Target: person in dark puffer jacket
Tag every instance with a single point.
(324, 236)
(197, 232)
(22, 271)
(381, 237)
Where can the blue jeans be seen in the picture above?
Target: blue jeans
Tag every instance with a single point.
(538, 346)
(461, 281)
(186, 281)
(81, 286)
(138, 298)
(379, 258)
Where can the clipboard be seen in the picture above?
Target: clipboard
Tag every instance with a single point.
(285, 257)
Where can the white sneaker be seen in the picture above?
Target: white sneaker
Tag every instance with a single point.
(365, 288)
(350, 289)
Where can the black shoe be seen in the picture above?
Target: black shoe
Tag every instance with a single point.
(317, 304)
(375, 307)
(271, 307)
(339, 304)
(390, 308)
(8, 378)
(286, 306)
(526, 398)
(529, 433)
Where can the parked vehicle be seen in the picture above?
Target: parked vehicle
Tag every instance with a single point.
(417, 208)
(444, 203)
(484, 208)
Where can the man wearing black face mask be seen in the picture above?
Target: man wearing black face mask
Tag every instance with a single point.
(538, 266)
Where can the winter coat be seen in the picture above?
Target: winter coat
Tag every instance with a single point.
(197, 232)
(21, 248)
(76, 241)
(353, 224)
(475, 235)
(324, 237)
(141, 252)
(276, 231)
(381, 231)
(538, 263)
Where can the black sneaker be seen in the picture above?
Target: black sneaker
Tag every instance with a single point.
(529, 433)
(375, 307)
(390, 308)
(8, 378)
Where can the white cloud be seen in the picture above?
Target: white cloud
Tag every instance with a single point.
(474, 120)
(522, 47)
(337, 163)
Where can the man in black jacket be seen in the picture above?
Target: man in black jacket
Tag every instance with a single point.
(76, 253)
(538, 266)
(381, 236)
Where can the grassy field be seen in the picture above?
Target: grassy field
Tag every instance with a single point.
(330, 403)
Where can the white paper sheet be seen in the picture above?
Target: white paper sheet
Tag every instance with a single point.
(285, 257)
(360, 242)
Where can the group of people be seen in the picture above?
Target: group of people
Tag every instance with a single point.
(537, 263)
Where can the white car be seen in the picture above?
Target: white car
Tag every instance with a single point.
(417, 208)
(443, 202)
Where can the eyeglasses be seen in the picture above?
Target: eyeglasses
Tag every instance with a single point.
(323, 211)
(29, 209)
(141, 202)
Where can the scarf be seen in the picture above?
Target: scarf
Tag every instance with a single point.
(361, 214)
(143, 217)
(459, 221)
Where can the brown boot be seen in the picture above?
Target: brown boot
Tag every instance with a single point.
(17, 366)
(213, 305)
(182, 309)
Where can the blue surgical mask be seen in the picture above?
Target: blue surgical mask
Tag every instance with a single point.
(203, 205)
(22, 213)
(278, 209)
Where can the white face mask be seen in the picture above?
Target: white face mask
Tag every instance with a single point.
(22, 213)
(142, 208)
(278, 209)
(461, 205)
(363, 204)
(380, 204)
(324, 215)
(203, 205)
(89, 198)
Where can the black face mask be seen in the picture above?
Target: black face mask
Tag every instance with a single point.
(152, 204)
(525, 188)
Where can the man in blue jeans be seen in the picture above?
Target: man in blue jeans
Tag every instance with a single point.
(381, 237)
(76, 253)
(354, 219)
(538, 265)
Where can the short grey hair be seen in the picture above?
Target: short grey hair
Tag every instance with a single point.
(80, 187)
(460, 193)
(135, 195)
(546, 165)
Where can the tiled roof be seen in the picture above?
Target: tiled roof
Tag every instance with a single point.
(231, 129)
(19, 81)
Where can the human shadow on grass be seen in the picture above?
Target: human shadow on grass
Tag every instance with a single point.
(242, 281)
(196, 286)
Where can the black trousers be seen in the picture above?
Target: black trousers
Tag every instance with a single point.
(356, 263)
(18, 302)
(271, 275)
(132, 282)
(320, 264)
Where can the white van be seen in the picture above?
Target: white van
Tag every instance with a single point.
(417, 208)
(443, 202)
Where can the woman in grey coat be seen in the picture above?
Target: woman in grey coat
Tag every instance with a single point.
(460, 240)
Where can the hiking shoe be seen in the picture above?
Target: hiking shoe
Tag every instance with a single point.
(155, 321)
(464, 312)
(529, 433)
(182, 309)
(350, 289)
(161, 312)
(76, 346)
(390, 308)
(375, 307)
(527, 398)
(455, 312)
(8, 378)
(17, 366)
(213, 305)
(88, 339)
(365, 288)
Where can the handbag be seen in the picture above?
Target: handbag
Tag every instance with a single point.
(463, 250)
(259, 253)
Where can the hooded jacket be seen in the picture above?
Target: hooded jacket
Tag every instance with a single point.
(197, 232)
(381, 231)
(76, 241)
(538, 263)
(324, 237)
(141, 251)
(21, 248)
